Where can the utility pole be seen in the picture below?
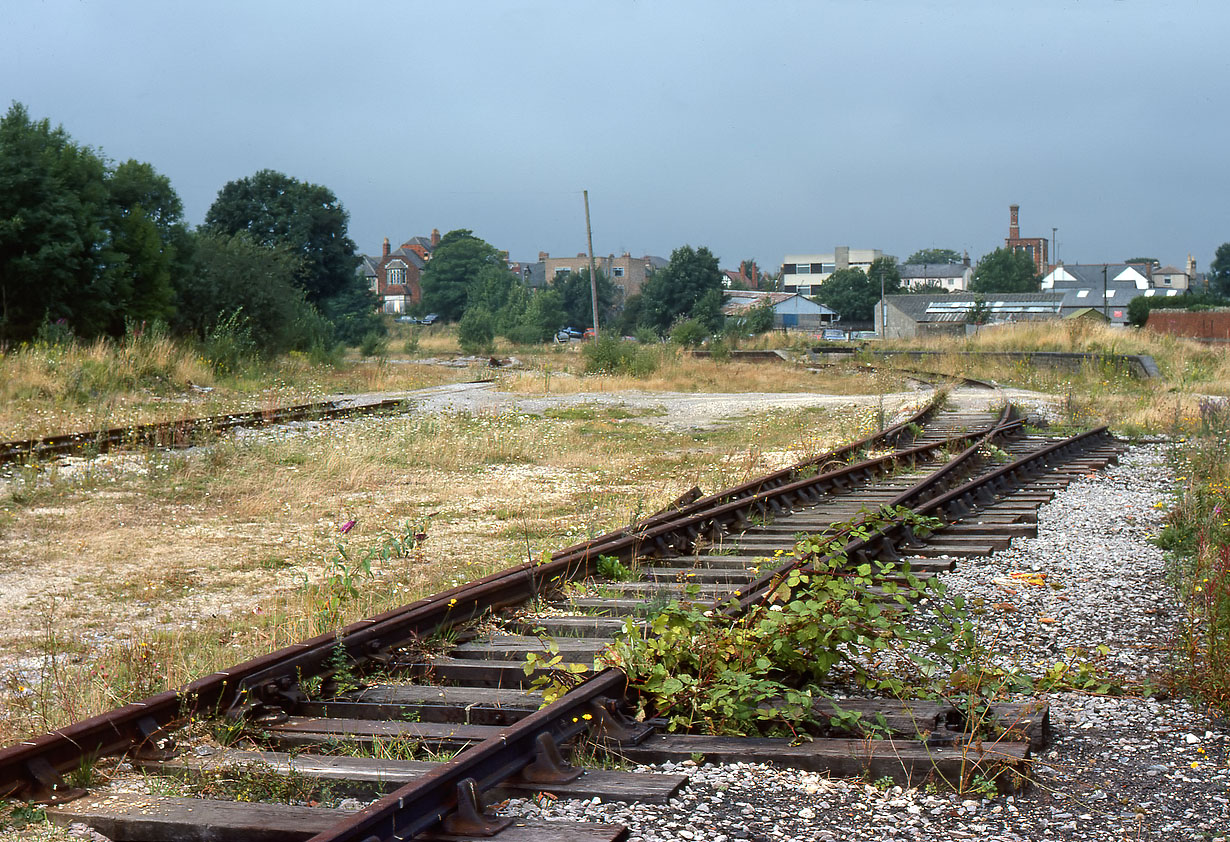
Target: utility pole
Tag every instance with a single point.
(883, 307)
(593, 275)
(1055, 246)
(1106, 305)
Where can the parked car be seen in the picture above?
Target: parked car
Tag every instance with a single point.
(430, 319)
(833, 335)
(567, 334)
(407, 320)
(589, 333)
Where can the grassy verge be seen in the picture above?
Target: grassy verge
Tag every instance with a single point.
(1197, 534)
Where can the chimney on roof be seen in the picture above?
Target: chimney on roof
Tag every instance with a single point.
(965, 259)
(1014, 226)
(542, 255)
(435, 237)
(384, 252)
(1191, 267)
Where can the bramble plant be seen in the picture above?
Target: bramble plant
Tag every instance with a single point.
(825, 623)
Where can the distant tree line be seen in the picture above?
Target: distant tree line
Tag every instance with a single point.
(468, 281)
(95, 248)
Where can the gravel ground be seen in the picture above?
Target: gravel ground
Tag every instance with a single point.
(1118, 768)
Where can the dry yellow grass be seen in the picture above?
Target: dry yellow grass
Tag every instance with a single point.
(151, 569)
(1096, 393)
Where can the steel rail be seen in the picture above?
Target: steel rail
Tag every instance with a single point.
(181, 432)
(271, 680)
(691, 505)
(952, 504)
(420, 805)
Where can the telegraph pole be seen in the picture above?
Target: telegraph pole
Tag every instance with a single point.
(593, 275)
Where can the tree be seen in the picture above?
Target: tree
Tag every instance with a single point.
(1219, 271)
(306, 219)
(851, 293)
(453, 269)
(935, 256)
(979, 313)
(149, 247)
(234, 280)
(574, 288)
(1148, 261)
(691, 278)
(53, 223)
(1004, 270)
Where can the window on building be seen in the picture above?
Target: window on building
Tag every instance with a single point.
(1166, 279)
(562, 270)
(817, 268)
(397, 276)
(802, 269)
(828, 268)
(617, 271)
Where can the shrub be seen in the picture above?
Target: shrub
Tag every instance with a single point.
(476, 331)
(373, 345)
(689, 333)
(611, 355)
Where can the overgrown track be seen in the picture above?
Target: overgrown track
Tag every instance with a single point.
(474, 696)
(184, 432)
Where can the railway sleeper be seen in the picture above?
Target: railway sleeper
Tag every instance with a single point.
(125, 817)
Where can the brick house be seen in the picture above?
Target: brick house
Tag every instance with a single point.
(394, 276)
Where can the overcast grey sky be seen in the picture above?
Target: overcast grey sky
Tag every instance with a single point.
(757, 129)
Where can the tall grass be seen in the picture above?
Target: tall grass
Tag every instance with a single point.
(1197, 534)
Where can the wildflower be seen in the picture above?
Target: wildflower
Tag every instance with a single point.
(348, 525)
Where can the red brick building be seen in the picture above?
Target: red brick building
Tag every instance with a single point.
(1035, 247)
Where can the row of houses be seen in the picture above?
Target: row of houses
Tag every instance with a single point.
(394, 274)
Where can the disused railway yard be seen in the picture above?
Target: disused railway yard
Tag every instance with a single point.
(1013, 588)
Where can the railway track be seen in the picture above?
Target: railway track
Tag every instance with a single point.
(453, 675)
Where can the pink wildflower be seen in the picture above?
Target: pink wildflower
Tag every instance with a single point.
(348, 525)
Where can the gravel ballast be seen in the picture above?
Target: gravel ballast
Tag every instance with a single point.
(1122, 768)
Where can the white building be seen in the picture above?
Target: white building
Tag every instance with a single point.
(952, 277)
(803, 273)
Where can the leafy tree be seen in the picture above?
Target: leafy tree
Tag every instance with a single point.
(54, 208)
(238, 285)
(149, 247)
(492, 287)
(853, 294)
(935, 256)
(577, 298)
(691, 278)
(929, 288)
(540, 320)
(1148, 261)
(1219, 271)
(453, 269)
(306, 219)
(979, 313)
(1004, 270)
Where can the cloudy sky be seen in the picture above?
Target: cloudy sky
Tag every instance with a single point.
(757, 129)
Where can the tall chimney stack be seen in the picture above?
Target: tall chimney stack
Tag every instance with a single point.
(384, 252)
(1014, 227)
(435, 237)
